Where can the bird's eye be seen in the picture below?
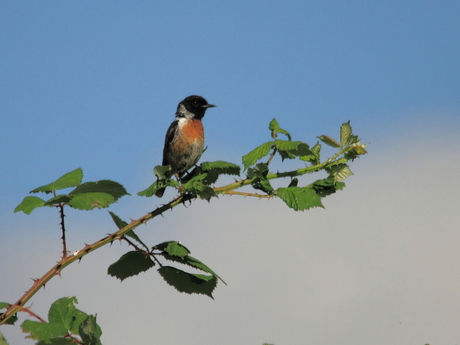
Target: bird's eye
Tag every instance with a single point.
(195, 102)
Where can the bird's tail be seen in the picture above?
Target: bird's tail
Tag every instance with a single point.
(159, 193)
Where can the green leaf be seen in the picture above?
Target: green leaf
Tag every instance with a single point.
(345, 132)
(3, 340)
(327, 186)
(221, 166)
(187, 282)
(121, 224)
(150, 191)
(292, 148)
(112, 188)
(162, 172)
(196, 186)
(78, 317)
(68, 180)
(314, 156)
(118, 221)
(259, 152)
(58, 199)
(192, 262)
(62, 312)
(63, 318)
(43, 331)
(340, 172)
(90, 201)
(299, 198)
(173, 248)
(90, 332)
(4, 305)
(329, 141)
(276, 129)
(217, 168)
(258, 174)
(28, 204)
(175, 251)
(130, 264)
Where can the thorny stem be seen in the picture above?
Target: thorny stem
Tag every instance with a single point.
(78, 255)
(62, 224)
(31, 313)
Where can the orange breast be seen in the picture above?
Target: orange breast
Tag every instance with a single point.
(193, 130)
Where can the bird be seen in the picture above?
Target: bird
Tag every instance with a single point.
(184, 141)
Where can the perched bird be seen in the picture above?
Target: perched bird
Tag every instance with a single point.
(184, 142)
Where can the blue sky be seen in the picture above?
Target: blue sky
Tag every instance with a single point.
(96, 84)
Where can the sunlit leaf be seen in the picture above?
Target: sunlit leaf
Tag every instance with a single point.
(68, 180)
(103, 186)
(299, 198)
(259, 152)
(329, 141)
(28, 204)
(173, 248)
(275, 128)
(90, 201)
(345, 132)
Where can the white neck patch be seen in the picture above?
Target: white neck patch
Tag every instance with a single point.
(183, 112)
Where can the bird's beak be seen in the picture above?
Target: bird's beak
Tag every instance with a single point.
(208, 106)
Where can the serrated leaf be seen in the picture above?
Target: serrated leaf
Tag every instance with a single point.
(121, 224)
(292, 149)
(196, 185)
(327, 186)
(192, 262)
(329, 141)
(299, 198)
(345, 132)
(187, 282)
(226, 167)
(340, 172)
(62, 312)
(90, 201)
(314, 156)
(259, 152)
(130, 264)
(90, 332)
(217, 168)
(60, 316)
(43, 331)
(173, 248)
(112, 188)
(68, 180)
(58, 199)
(275, 128)
(150, 191)
(28, 204)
